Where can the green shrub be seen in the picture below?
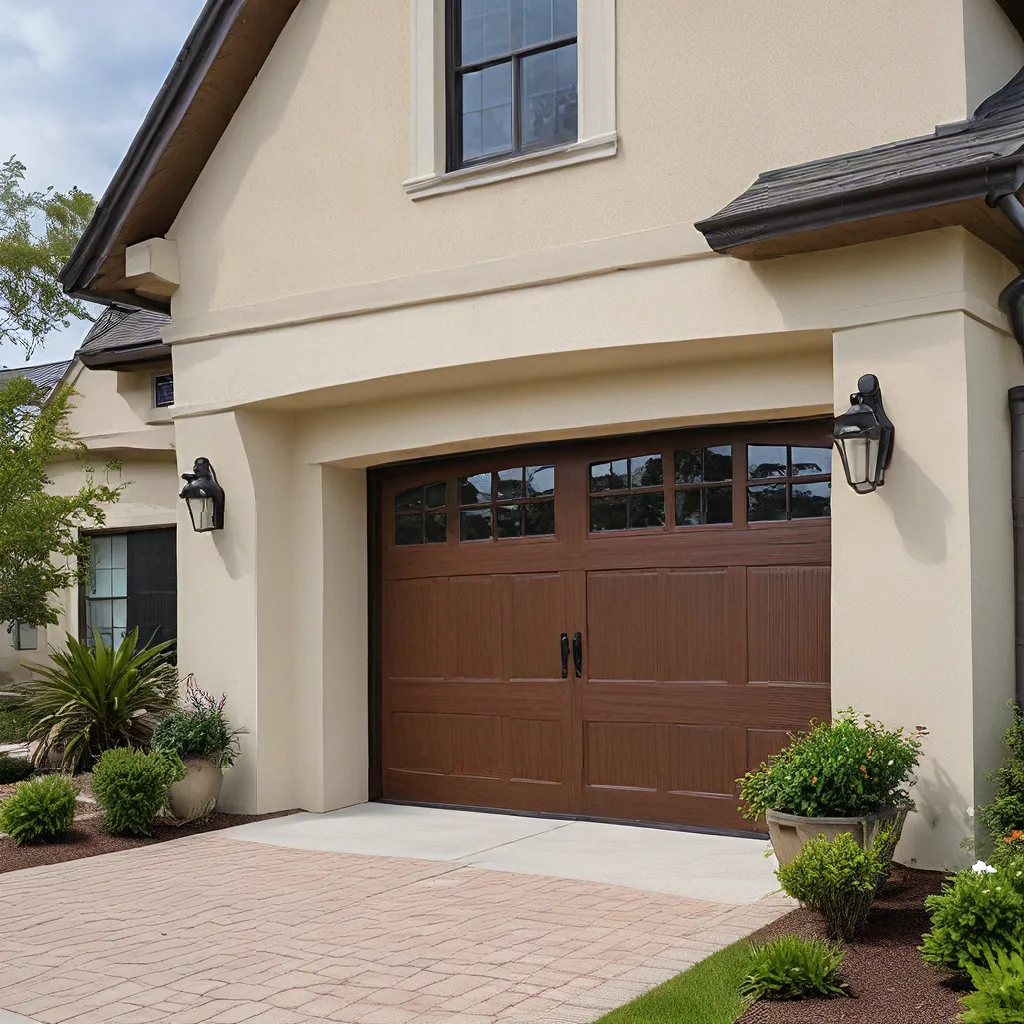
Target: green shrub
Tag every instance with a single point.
(14, 769)
(837, 879)
(999, 995)
(1005, 812)
(794, 968)
(977, 910)
(846, 768)
(14, 722)
(198, 729)
(39, 809)
(1009, 850)
(91, 701)
(130, 787)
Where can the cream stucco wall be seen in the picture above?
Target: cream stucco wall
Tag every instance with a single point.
(993, 51)
(709, 95)
(114, 428)
(922, 630)
(291, 417)
(327, 323)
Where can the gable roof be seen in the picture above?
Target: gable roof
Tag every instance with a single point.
(43, 375)
(931, 181)
(224, 52)
(124, 336)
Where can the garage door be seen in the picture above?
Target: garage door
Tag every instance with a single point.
(616, 628)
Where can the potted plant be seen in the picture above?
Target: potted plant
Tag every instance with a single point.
(197, 733)
(845, 776)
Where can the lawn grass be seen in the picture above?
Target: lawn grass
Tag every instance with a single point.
(13, 726)
(708, 993)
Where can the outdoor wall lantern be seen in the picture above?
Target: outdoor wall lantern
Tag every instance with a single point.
(864, 437)
(204, 497)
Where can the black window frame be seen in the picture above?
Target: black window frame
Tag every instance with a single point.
(454, 72)
(166, 377)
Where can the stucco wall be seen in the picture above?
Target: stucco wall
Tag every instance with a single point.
(304, 191)
(993, 50)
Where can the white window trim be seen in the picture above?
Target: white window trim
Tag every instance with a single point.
(598, 135)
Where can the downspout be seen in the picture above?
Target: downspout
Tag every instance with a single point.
(1011, 302)
(1017, 490)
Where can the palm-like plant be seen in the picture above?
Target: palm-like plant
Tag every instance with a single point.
(89, 701)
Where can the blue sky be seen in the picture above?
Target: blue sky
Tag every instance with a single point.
(76, 80)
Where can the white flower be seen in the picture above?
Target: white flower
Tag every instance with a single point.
(969, 812)
(981, 868)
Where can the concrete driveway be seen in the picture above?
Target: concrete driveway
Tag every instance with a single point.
(375, 915)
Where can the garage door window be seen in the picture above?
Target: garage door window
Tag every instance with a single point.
(419, 515)
(627, 494)
(792, 483)
(507, 504)
(701, 498)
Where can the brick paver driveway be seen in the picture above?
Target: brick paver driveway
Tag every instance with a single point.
(212, 929)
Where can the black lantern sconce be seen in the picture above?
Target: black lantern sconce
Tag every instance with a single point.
(204, 497)
(864, 436)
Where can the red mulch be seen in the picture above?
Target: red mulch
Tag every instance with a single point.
(889, 981)
(86, 838)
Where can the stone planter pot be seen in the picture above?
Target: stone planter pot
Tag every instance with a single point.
(195, 797)
(789, 832)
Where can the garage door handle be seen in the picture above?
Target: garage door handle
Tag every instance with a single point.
(565, 655)
(577, 653)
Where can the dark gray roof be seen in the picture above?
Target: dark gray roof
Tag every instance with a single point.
(963, 161)
(43, 375)
(124, 335)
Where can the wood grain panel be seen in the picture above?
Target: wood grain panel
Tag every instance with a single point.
(476, 745)
(475, 625)
(420, 743)
(705, 759)
(621, 756)
(536, 750)
(412, 620)
(698, 628)
(538, 606)
(622, 622)
(788, 623)
(762, 743)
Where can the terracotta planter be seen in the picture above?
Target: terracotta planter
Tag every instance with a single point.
(195, 797)
(789, 832)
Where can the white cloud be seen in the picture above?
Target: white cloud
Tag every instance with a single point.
(77, 79)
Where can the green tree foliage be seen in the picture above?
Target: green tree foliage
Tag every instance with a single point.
(38, 231)
(39, 530)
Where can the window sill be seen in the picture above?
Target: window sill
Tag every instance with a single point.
(533, 163)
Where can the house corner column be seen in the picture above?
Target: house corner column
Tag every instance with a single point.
(902, 612)
(235, 597)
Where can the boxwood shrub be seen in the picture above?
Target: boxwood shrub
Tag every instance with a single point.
(130, 787)
(41, 808)
(14, 769)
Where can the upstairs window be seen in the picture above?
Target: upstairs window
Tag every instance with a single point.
(163, 390)
(513, 79)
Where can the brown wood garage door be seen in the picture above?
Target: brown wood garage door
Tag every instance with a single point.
(689, 575)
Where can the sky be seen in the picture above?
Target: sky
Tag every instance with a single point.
(77, 79)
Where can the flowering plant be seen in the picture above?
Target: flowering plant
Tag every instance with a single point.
(198, 729)
(848, 768)
(978, 909)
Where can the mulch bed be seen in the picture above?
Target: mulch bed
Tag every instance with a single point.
(86, 838)
(889, 981)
